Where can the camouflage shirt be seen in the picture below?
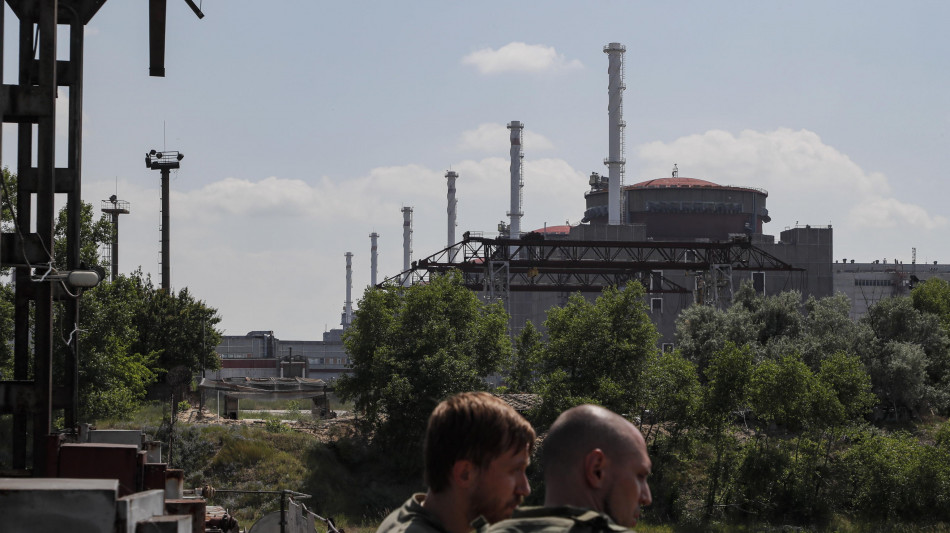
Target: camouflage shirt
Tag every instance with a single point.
(557, 520)
(412, 518)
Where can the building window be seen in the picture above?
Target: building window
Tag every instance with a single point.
(667, 347)
(656, 305)
(758, 282)
(873, 282)
(656, 280)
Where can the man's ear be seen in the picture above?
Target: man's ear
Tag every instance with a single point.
(595, 468)
(464, 473)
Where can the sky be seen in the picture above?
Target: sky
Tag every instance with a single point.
(306, 125)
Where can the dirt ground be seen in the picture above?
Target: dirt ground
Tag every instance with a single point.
(324, 430)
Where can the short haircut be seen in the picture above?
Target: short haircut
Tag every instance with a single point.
(579, 430)
(473, 426)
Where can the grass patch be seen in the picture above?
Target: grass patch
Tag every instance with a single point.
(148, 415)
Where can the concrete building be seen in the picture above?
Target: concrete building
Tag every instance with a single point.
(676, 208)
(260, 354)
(673, 225)
(866, 284)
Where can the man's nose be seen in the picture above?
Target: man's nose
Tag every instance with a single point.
(523, 487)
(645, 497)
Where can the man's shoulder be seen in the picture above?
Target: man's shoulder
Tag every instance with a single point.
(410, 517)
(555, 520)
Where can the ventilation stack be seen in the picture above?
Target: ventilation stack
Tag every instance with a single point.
(615, 161)
(450, 177)
(348, 305)
(372, 258)
(517, 181)
(406, 242)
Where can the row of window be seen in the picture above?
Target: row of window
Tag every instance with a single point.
(329, 360)
(873, 283)
(694, 207)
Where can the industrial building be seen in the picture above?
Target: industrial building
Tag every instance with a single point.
(686, 240)
(866, 284)
(260, 354)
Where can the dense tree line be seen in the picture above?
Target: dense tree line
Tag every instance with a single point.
(771, 410)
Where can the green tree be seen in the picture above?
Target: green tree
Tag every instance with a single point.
(602, 348)
(525, 361)
(673, 393)
(179, 328)
(112, 378)
(411, 347)
(829, 329)
(779, 316)
(725, 393)
(933, 296)
(780, 391)
(6, 331)
(701, 332)
(8, 188)
(92, 234)
(908, 356)
(846, 377)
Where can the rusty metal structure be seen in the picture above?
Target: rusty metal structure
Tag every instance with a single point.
(498, 266)
(33, 395)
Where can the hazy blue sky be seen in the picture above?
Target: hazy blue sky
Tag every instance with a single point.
(306, 125)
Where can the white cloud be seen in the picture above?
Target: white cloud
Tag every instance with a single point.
(808, 181)
(519, 57)
(237, 242)
(890, 213)
(327, 200)
(493, 138)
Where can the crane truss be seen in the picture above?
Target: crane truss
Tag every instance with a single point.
(534, 263)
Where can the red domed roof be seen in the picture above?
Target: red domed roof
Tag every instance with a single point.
(688, 183)
(675, 182)
(554, 230)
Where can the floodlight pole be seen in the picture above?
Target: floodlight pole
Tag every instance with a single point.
(166, 247)
(164, 161)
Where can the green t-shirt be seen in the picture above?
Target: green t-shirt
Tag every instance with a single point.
(411, 517)
(557, 520)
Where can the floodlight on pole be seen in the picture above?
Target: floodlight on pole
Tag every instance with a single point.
(164, 162)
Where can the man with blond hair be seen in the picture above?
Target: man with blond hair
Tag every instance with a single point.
(595, 466)
(476, 450)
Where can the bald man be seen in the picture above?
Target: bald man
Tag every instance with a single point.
(595, 467)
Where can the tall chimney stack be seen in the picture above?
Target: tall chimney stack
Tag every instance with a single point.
(615, 161)
(406, 241)
(348, 305)
(517, 180)
(450, 177)
(372, 258)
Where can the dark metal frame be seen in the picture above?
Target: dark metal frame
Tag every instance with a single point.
(535, 263)
(32, 396)
(33, 102)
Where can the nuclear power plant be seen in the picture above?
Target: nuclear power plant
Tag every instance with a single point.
(686, 240)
